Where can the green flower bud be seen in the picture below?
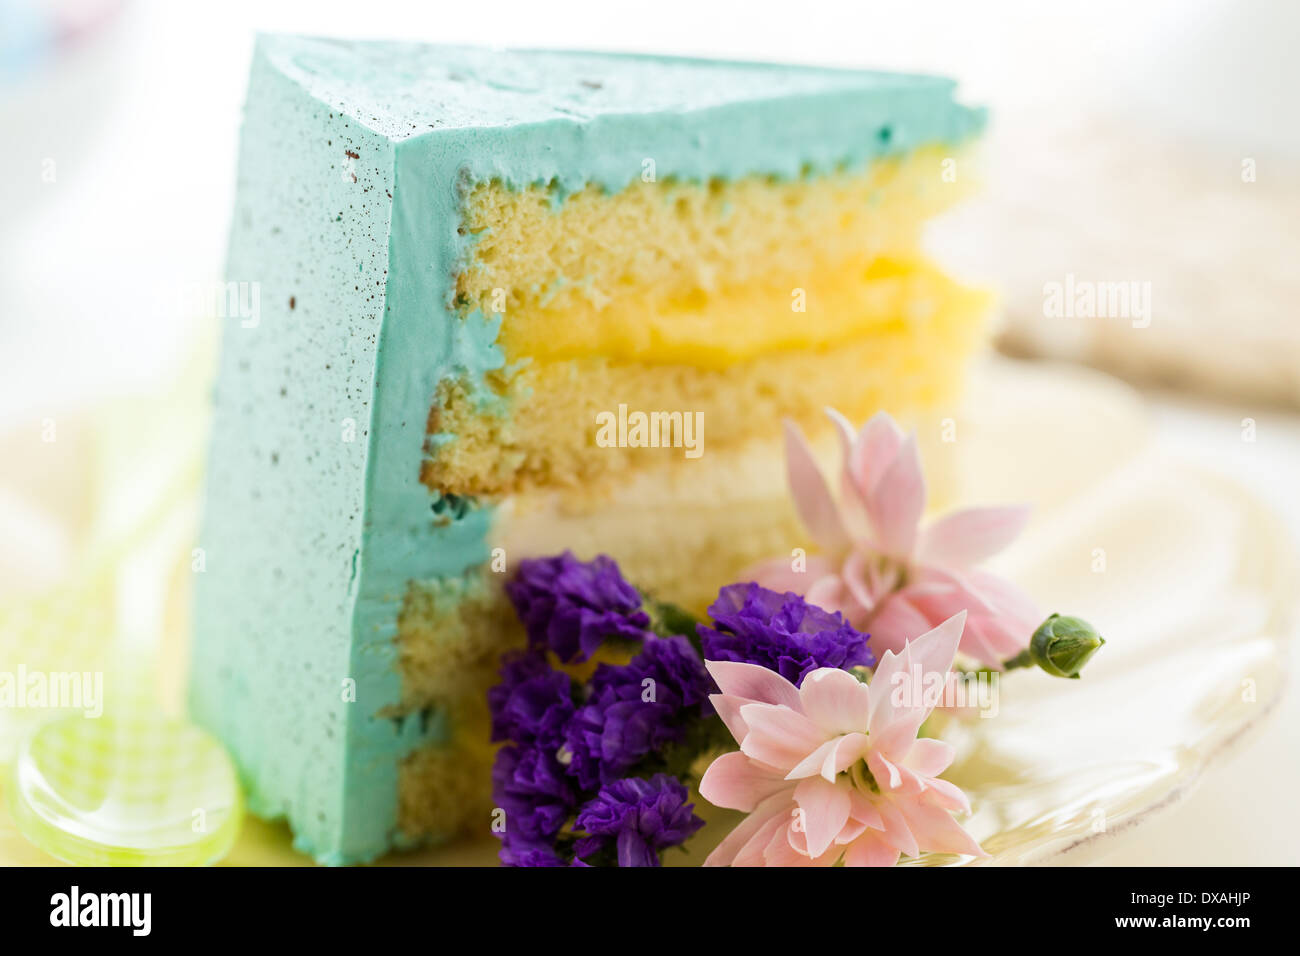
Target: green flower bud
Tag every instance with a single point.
(1062, 645)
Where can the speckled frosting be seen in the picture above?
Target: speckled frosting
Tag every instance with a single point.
(355, 158)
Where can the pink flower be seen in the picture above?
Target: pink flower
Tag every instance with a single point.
(876, 565)
(833, 769)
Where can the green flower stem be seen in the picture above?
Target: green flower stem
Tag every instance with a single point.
(1023, 659)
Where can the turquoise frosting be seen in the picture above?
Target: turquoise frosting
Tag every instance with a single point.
(353, 164)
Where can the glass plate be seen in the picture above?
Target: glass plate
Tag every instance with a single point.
(1186, 574)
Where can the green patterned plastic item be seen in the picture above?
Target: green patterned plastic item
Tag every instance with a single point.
(138, 791)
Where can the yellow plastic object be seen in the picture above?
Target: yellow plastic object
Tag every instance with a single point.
(131, 791)
(109, 777)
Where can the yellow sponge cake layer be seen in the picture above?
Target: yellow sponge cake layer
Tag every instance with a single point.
(554, 266)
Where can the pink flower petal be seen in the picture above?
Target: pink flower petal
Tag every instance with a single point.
(967, 537)
(1009, 602)
(735, 781)
(1006, 636)
(990, 637)
(782, 851)
(885, 681)
(847, 751)
(812, 764)
(895, 622)
(851, 830)
(835, 701)
(752, 682)
(990, 642)
(825, 809)
(934, 651)
(897, 501)
(754, 853)
(893, 777)
(874, 451)
(860, 808)
(947, 795)
(828, 593)
(771, 812)
(871, 849)
(779, 736)
(901, 695)
(944, 592)
(812, 499)
(853, 500)
(844, 429)
(895, 827)
(975, 644)
(728, 709)
(750, 853)
(790, 848)
(778, 575)
(929, 757)
(936, 831)
(856, 577)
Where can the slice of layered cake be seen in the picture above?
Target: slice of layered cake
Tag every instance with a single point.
(517, 302)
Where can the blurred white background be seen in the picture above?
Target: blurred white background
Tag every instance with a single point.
(117, 165)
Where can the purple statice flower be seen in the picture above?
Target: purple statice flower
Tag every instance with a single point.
(538, 797)
(674, 666)
(525, 853)
(635, 709)
(533, 703)
(641, 818)
(572, 606)
(781, 632)
(611, 735)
